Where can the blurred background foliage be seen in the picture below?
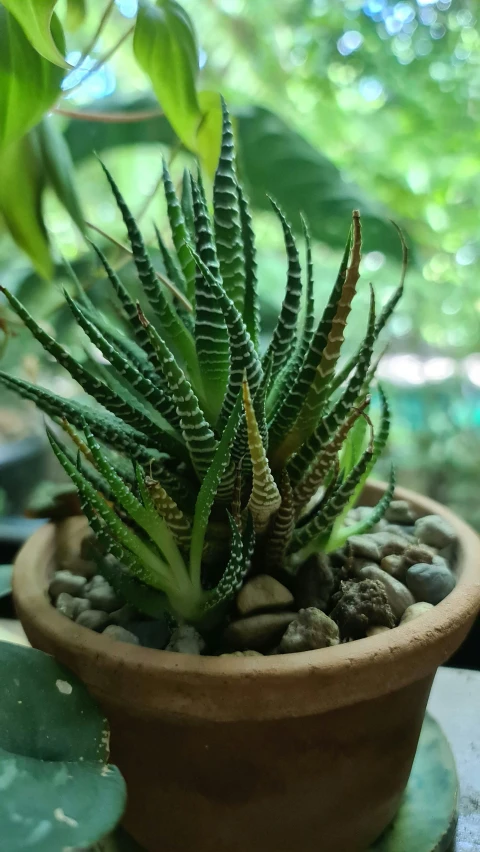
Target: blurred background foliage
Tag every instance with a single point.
(337, 103)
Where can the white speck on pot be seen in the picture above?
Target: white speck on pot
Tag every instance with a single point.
(60, 816)
(64, 687)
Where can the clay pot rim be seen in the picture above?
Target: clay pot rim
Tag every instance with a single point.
(435, 633)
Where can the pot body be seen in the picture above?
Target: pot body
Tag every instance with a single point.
(306, 751)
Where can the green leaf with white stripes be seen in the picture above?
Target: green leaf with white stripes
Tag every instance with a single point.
(228, 226)
(265, 497)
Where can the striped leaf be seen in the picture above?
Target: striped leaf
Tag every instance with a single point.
(180, 235)
(315, 477)
(284, 336)
(211, 336)
(265, 497)
(130, 412)
(143, 598)
(187, 203)
(208, 490)
(197, 434)
(251, 307)
(300, 462)
(306, 538)
(172, 325)
(283, 526)
(151, 393)
(228, 227)
(148, 565)
(284, 441)
(339, 536)
(234, 573)
(168, 509)
(105, 426)
(318, 391)
(243, 356)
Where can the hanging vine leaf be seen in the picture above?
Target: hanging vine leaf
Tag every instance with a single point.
(165, 47)
(40, 25)
(27, 80)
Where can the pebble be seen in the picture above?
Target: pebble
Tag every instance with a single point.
(430, 583)
(94, 619)
(415, 610)
(309, 630)
(359, 606)
(394, 566)
(96, 580)
(315, 583)
(263, 593)
(435, 531)
(103, 596)
(186, 640)
(115, 631)
(365, 546)
(65, 604)
(65, 581)
(399, 597)
(377, 629)
(390, 543)
(258, 632)
(70, 606)
(400, 512)
(417, 553)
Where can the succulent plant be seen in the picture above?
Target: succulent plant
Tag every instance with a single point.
(202, 456)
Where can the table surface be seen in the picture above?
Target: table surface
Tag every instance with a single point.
(455, 704)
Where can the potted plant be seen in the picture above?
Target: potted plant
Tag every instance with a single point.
(220, 487)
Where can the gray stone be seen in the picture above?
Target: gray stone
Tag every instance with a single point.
(390, 543)
(435, 531)
(400, 512)
(405, 533)
(415, 610)
(103, 597)
(119, 634)
(365, 546)
(430, 583)
(65, 604)
(309, 630)
(417, 553)
(65, 581)
(394, 566)
(94, 619)
(315, 582)
(151, 634)
(258, 632)
(263, 593)
(81, 605)
(186, 640)
(96, 580)
(398, 595)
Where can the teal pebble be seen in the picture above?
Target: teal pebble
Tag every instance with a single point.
(431, 583)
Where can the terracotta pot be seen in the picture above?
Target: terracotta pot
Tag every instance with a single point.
(308, 751)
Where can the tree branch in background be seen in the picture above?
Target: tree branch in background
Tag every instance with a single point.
(109, 117)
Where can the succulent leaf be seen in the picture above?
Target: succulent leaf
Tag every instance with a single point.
(228, 228)
(180, 235)
(283, 526)
(251, 306)
(265, 497)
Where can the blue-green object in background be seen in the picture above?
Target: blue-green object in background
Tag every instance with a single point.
(427, 817)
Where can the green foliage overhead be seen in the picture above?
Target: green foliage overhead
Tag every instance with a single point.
(40, 26)
(269, 464)
(58, 790)
(29, 83)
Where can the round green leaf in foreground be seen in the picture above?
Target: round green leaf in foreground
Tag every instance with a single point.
(57, 790)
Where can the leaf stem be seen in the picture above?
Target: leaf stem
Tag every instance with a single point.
(109, 117)
(101, 26)
(103, 59)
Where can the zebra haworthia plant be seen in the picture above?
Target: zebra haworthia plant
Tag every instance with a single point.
(203, 456)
